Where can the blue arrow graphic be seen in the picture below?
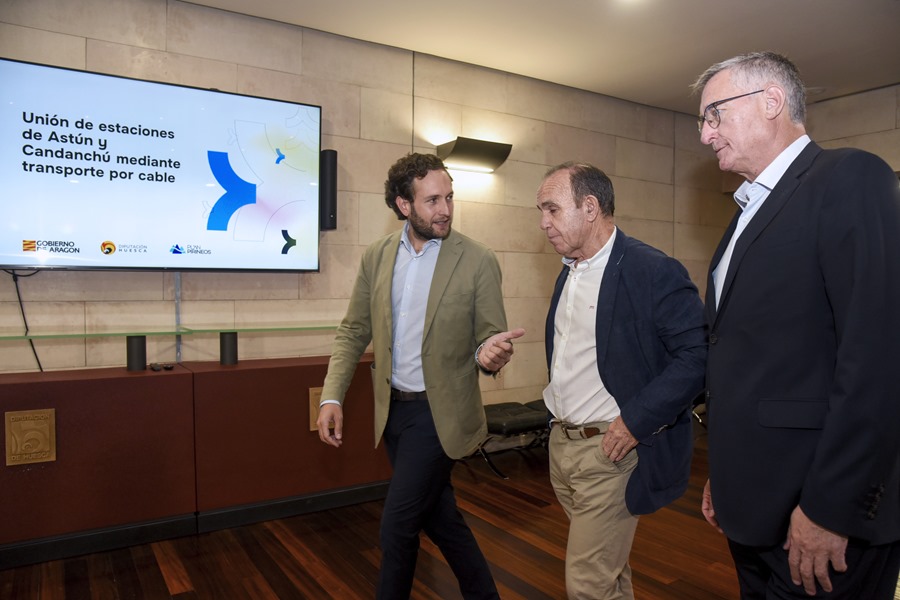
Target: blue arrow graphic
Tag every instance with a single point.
(238, 192)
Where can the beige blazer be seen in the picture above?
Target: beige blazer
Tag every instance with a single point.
(465, 307)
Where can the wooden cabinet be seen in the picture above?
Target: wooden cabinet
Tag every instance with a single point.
(255, 449)
(152, 454)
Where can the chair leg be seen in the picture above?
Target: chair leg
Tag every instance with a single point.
(540, 439)
(490, 463)
(697, 416)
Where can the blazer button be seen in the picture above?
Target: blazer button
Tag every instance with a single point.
(713, 338)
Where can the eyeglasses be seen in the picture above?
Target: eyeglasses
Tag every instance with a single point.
(711, 113)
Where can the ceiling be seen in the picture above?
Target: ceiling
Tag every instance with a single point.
(646, 51)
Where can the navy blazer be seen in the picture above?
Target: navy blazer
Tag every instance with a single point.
(651, 355)
(804, 356)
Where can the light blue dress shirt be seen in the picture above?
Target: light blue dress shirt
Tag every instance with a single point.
(411, 284)
(750, 197)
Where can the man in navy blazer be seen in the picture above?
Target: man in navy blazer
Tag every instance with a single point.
(626, 351)
(803, 381)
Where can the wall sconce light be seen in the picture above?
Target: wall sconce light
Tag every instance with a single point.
(467, 154)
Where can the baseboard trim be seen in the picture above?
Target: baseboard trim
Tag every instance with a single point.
(288, 507)
(98, 540)
(101, 540)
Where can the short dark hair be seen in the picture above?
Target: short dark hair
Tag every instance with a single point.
(403, 173)
(588, 180)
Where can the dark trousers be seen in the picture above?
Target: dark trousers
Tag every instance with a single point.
(871, 574)
(420, 498)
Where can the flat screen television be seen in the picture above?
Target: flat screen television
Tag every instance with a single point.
(100, 171)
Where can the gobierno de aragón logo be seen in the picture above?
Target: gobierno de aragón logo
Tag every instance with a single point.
(53, 246)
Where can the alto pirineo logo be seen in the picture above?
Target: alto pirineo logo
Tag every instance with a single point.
(107, 247)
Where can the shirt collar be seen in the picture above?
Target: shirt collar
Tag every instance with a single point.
(404, 241)
(599, 258)
(772, 174)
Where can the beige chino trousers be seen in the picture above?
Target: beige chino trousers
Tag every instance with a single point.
(591, 490)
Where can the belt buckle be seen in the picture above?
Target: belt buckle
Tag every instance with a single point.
(567, 427)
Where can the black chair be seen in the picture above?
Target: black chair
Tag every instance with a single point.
(508, 419)
(698, 409)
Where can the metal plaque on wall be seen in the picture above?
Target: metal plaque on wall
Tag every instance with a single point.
(30, 436)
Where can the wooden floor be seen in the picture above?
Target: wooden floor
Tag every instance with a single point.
(334, 554)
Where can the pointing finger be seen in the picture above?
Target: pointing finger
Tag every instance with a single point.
(511, 335)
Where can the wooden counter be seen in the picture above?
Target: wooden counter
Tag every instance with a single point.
(254, 444)
(125, 455)
(147, 455)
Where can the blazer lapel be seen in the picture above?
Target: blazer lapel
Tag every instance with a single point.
(381, 292)
(606, 298)
(710, 304)
(451, 250)
(773, 205)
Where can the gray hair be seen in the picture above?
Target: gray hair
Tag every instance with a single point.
(755, 70)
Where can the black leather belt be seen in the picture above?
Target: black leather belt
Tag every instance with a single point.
(407, 396)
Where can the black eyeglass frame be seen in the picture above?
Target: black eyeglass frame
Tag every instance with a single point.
(715, 119)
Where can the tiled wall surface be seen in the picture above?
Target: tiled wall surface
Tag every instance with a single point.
(378, 104)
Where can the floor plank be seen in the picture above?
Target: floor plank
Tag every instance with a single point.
(334, 554)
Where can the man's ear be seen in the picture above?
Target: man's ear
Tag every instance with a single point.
(776, 101)
(591, 207)
(403, 205)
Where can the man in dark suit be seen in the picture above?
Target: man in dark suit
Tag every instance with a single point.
(429, 300)
(803, 382)
(626, 351)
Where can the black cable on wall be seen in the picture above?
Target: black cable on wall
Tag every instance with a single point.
(15, 278)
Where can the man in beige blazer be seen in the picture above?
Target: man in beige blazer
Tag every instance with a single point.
(429, 299)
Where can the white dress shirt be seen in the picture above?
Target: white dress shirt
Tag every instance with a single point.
(576, 393)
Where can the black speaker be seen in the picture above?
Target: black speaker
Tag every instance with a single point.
(228, 347)
(136, 352)
(328, 190)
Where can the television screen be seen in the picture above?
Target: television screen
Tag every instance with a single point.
(101, 171)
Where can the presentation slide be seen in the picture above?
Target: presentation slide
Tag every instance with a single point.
(109, 172)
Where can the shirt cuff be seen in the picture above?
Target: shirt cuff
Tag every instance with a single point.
(324, 402)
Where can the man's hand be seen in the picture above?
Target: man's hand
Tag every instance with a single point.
(706, 507)
(331, 416)
(618, 441)
(811, 549)
(498, 349)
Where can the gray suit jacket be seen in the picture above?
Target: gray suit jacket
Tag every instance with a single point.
(465, 307)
